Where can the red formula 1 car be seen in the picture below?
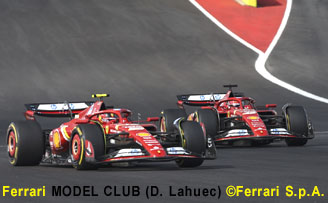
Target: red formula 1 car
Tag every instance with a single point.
(98, 135)
(231, 118)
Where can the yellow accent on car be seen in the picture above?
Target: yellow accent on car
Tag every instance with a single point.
(182, 135)
(100, 95)
(107, 129)
(143, 134)
(82, 151)
(252, 3)
(13, 127)
(65, 133)
(79, 130)
(56, 139)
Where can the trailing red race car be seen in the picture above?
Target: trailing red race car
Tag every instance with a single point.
(232, 118)
(98, 135)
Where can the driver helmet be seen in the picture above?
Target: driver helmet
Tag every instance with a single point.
(126, 116)
(234, 103)
(107, 117)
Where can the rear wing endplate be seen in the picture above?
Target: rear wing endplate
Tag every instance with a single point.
(200, 99)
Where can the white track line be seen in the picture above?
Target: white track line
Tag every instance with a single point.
(263, 56)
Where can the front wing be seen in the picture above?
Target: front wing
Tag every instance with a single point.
(260, 138)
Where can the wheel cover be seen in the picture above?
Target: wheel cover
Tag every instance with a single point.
(76, 147)
(11, 144)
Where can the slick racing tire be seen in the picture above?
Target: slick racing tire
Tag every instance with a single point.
(25, 143)
(210, 120)
(297, 123)
(193, 140)
(168, 116)
(87, 145)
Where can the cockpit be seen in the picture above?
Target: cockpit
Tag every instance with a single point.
(115, 117)
(242, 103)
(108, 117)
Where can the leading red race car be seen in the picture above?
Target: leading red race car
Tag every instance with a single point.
(99, 135)
(232, 118)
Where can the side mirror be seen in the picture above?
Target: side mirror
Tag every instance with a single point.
(180, 104)
(29, 115)
(270, 105)
(150, 119)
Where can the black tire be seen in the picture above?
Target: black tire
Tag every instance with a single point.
(297, 123)
(94, 134)
(193, 141)
(25, 142)
(168, 116)
(210, 120)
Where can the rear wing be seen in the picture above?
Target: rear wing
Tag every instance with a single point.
(60, 109)
(206, 99)
(200, 99)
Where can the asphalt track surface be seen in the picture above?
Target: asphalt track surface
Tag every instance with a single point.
(144, 52)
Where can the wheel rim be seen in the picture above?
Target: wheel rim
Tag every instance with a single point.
(76, 147)
(12, 144)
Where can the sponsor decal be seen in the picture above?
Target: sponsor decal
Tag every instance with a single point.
(176, 150)
(253, 117)
(205, 97)
(248, 111)
(135, 127)
(217, 96)
(279, 131)
(61, 106)
(147, 138)
(151, 141)
(257, 124)
(237, 132)
(129, 152)
(143, 134)
(259, 129)
(154, 148)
